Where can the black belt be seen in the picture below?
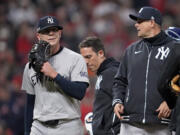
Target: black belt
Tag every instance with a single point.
(50, 123)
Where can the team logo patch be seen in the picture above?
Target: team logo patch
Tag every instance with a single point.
(99, 79)
(83, 74)
(162, 53)
(50, 20)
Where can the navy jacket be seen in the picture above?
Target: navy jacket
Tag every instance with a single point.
(105, 121)
(135, 84)
(172, 68)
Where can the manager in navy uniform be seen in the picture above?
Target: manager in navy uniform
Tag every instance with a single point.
(137, 101)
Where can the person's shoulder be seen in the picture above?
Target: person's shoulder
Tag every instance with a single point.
(134, 44)
(115, 64)
(27, 66)
(176, 47)
(72, 54)
(111, 71)
(177, 44)
(112, 67)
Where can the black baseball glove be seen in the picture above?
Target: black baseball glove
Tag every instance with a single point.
(39, 54)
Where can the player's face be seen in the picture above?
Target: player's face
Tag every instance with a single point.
(143, 28)
(51, 35)
(93, 59)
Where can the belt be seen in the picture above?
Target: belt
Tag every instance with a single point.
(50, 123)
(54, 123)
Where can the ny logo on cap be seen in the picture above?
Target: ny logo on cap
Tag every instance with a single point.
(140, 10)
(50, 20)
(152, 18)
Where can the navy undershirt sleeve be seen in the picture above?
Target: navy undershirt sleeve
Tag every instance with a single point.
(73, 89)
(28, 116)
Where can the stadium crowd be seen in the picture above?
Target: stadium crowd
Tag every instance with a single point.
(107, 19)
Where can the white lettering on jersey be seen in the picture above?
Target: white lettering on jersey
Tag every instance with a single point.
(83, 74)
(34, 79)
(99, 79)
(50, 20)
(162, 53)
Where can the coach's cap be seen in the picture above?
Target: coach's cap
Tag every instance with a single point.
(148, 13)
(46, 22)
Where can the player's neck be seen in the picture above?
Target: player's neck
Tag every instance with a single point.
(55, 49)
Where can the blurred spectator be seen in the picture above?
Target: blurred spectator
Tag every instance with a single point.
(20, 11)
(137, 4)
(3, 129)
(24, 42)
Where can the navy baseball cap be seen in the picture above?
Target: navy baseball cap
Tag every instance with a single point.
(148, 13)
(174, 33)
(47, 22)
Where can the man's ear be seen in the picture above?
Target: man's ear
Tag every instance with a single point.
(37, 35)
(101, 53)
(153, 23)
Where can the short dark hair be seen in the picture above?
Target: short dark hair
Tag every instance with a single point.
(93, 42)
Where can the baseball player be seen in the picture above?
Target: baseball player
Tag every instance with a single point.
(53, 106)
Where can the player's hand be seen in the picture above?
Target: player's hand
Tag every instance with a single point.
(118, 110)
(48, 70)
(163, 110)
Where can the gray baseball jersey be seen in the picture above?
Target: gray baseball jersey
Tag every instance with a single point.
(50, 101)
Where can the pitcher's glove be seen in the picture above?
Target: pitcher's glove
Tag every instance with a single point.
(39, 54)
(174, 84)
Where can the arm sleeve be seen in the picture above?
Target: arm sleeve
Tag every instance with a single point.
(26, 81)
(74, 89)
(79, 70)
(107, 81)
(28, 116)
(169, 71)
(120, 83)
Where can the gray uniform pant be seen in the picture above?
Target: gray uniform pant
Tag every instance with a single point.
(140, 129)
(73, 127)
(173, 133)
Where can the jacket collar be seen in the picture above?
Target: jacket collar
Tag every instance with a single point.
(107, 63)
(60, 50)
(158, 40)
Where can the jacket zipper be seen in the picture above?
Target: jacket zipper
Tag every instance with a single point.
(127, 98)
(113, 120)
(146, 82)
